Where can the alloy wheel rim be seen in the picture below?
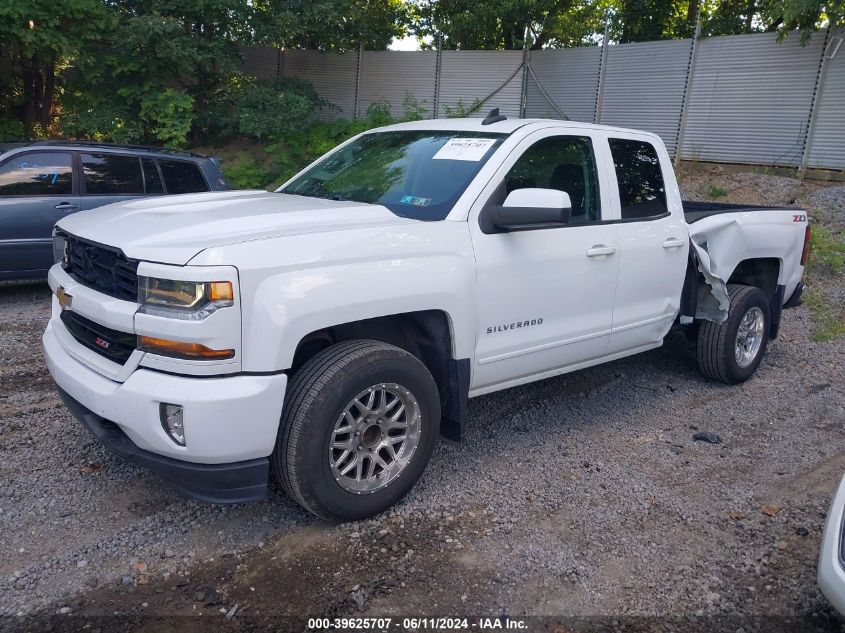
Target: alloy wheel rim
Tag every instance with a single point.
(374, 438)
(749, 337)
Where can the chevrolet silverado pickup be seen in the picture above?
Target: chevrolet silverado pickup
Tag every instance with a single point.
(331, 330)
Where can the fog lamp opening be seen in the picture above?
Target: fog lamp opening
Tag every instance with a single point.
(172, 422)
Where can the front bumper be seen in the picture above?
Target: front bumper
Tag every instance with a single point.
(217, 483)
(229, 421)
(831, 563)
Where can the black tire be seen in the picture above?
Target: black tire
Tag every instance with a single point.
(317, 396)
(717, 341)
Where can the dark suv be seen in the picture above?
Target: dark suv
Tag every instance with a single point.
(42, 182)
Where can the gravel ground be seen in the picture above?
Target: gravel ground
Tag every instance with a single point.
(583, 495)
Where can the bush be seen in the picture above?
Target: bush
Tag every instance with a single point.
(262, 109)
(163, 117)
(246, 173)
(11, 130)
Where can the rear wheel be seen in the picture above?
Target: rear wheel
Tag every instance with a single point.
(730, 352)
(358, 427)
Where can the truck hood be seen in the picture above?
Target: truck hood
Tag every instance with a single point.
(173, 229)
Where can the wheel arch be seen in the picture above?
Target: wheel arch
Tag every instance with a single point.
(427, 334)
(763, 273)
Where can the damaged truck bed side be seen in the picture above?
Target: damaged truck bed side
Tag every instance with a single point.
(330, 331)
(747, 244)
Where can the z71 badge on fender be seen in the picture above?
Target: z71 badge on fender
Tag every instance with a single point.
(513, 326)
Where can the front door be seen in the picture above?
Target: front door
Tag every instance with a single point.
(544, 297)
(36, 191)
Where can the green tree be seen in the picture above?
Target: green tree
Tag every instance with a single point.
(806, 15)
(330, 25)
(467, 24)
(37, 38)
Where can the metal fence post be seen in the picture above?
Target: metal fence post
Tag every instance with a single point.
(682, 121)
(602, 67)
(358, 80)
(437, 69)
(524, 91)
(814, 104)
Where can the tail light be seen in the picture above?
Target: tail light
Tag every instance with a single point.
(806, 252)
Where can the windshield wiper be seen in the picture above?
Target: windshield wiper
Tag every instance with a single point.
(324, 196)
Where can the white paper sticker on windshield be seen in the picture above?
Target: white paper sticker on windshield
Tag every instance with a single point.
(464, 149)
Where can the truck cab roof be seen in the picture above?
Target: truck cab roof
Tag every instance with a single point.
(505, 126)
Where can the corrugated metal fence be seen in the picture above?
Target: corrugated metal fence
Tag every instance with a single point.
(738, 98)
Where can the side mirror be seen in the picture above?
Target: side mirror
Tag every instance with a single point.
(530, 208)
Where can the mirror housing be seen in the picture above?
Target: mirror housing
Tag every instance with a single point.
(527, 209)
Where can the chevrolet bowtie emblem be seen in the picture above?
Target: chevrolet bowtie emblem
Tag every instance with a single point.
(65, 300)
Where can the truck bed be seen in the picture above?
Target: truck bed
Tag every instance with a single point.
(695, 211)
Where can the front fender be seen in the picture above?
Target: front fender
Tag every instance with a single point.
(329, 279)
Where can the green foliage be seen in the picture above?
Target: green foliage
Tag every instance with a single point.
(264, 109)
(827, 251)
(142, 89)
(35, 37)
(826, 265)
(330, 25)
(168, 115)
(11, 130)
(412, 108)
(378, 113)
(246, 173)
(805, 15)
(827, 317)
(460, 110)
(715, 191)
(467, 24)
(269, 166)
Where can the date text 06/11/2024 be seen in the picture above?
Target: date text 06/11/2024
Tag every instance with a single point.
(416, 624)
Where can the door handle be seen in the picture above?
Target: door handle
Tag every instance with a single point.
(600, 250)
(63, 206)
(673, 242)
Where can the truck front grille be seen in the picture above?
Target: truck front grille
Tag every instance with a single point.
(114, 345)
(101, 268)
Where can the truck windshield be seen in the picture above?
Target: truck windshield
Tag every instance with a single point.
(417, 174)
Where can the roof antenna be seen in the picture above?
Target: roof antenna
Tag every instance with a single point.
(494, 117)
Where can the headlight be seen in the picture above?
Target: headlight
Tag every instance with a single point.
(59, 248)
(192, 300)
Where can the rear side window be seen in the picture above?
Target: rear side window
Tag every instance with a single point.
(152, 179)
(37, 174)
(182, 176)
(641, 189)
(112, 174)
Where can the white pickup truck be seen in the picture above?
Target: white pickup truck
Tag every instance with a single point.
(332, 329)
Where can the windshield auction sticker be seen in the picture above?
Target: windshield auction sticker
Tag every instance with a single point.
(472, 149)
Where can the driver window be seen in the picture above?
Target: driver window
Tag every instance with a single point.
(566, 163)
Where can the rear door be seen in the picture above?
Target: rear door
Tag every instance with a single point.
(653, 244)
(109, 177)
(37, 189)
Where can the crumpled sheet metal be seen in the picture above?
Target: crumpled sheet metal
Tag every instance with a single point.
(715, 241)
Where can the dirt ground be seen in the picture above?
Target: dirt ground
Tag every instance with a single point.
(581, 498)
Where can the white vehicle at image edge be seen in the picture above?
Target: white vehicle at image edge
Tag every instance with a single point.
(832, 557)
(331, 330)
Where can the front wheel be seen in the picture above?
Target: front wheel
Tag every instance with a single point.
(359, 425)
(730, 352)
